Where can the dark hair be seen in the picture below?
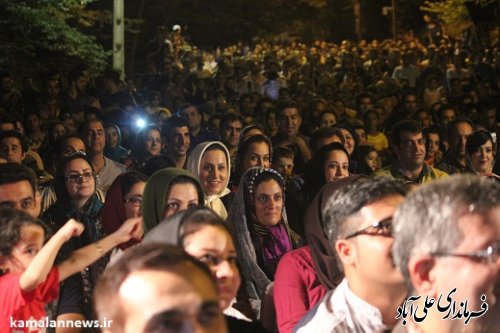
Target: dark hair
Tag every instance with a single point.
(196, 218)
(404, 126)
(14, 172)
(11, 222)
(458, 120)
(245, 145)
(60, 143)
(18, 136)
(139, 151)
(230, 118)
(363, 167)
(282, 151)
(353, 134)
(129, 179)
(187, 180)
(170, 124)
(60, 179)
(314, 176)
(156, 257)
(85, 125)
(289, 104)
(323, 133)
(348, 200)
(477, 139)
(156, 163)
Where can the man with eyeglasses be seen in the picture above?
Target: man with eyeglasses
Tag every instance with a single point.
(358, 226)
(408, 144)
(447, 236)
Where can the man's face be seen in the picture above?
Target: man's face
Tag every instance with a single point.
(182, 300)
(411, 150)
(7, 84)
(193, 117)
(410, 102)
(290, 121)
(473, 277)
(230, 133)
(20, 196)
(373, 256)
(459, 138)
(81, 84)
(11, 150)
(179, 141)
(53, 88)
(365, 104)
(447, 116)
(95, 137)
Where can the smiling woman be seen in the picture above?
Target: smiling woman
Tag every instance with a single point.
(209, 162)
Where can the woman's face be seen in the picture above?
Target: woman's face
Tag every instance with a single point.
(433, 143)
(336, 165)
(213, 171)
(58, 131)
(213, 246)
(111, 137)
(257, 155)
(271, 121)
(349, 141)
(482, 158)
(152, 140)
(80, 181)
(180, 197)
(133, 200)
(269, 202)
(327, 120)
(372, 160)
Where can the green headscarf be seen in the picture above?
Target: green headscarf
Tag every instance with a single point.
(155, 194)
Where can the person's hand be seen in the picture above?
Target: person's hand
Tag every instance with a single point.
(70, 229)
(130, 229)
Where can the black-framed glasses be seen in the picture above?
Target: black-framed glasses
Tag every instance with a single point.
(489, 255)
(135, 200)
(380, 228)
(78, 177)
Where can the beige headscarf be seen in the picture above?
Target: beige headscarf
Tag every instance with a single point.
(212, 201)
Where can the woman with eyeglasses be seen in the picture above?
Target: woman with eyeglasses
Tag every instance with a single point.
(75, 187)
(206, 237)
(123, 201)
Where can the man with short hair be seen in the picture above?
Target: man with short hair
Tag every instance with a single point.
(107, 170)
(231, 126)
(13, 146)
(194, 118)
(18, 189)
(455, 161)
(176, 140)
(445, 114)
(289, 122)
(358, 226)
(447, 245)
(408, 144)
(154, 288)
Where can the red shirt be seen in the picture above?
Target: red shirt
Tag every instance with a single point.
(296, 288)
(16, 305)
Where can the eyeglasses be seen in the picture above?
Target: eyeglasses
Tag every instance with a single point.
(78, 177)
(489, 255)
(70, 151)
(380, 228)
(134, 200)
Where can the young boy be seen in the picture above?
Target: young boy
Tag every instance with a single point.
(283, 162)
(28, 280)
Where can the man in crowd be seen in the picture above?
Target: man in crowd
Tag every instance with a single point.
(289, 122)
(107, 170)
(157, 288)
(447, 245)
(18, 188)
(176, 140)
(358, 226)
(408, 144)
(454, 161)
(230, 127)
(197, 132)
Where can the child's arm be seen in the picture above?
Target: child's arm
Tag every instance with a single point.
(81, 258)
(42, 263)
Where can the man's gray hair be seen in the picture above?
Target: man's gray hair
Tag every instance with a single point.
(427, 221)
(346, 203)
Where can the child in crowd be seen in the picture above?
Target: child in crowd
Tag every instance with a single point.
(283, 158)
(28, 280)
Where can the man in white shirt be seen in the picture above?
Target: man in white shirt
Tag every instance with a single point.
(358, 225)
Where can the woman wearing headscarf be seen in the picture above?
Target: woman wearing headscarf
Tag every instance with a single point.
(167, 192)
(210, 163)
(123, 201)
(114, 150)
(305, 275)
(259, 225)
(146, 146)
(206, 237)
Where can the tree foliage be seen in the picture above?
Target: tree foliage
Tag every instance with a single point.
(39, 35)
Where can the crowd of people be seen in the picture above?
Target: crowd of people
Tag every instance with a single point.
(278, 187)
